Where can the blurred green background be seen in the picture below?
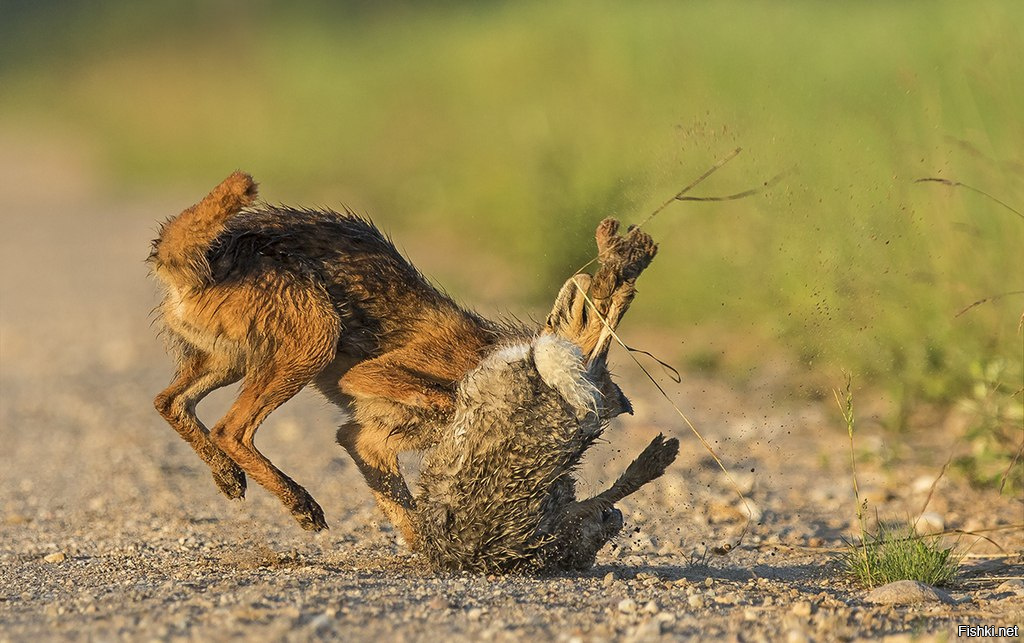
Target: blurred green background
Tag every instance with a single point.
(489, 138)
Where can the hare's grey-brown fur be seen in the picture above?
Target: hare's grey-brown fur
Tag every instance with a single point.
(497, 491)
(281, 297)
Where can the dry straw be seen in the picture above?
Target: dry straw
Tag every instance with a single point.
(682, 195)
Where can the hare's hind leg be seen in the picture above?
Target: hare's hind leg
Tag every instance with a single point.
(198, 374)
(647, 466)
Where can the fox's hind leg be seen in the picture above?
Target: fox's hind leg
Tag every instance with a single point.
(198, 374)
(262, 393)
(292, 336)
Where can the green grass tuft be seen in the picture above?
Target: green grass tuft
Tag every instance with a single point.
(898, 552)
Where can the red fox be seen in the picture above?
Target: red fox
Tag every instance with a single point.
(281, 298)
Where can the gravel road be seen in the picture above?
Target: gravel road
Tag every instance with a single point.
(110, 527)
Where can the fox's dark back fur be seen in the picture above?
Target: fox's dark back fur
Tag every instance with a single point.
(379, 296)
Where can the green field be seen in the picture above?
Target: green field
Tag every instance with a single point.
(490, 138)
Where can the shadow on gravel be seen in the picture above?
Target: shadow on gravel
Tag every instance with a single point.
(694, 573)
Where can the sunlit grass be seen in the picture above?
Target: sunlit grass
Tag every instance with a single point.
(502, 133)
(899, 553)
(894, 551)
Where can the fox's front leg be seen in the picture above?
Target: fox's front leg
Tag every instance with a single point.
(391, 402)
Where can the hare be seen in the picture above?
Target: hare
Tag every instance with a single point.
(497, 492)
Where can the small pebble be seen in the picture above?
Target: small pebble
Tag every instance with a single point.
(1015, 586)
(750, 510)
(439, 603)
(627, 606)
(647, 631)
(609, 579)
(796, 636)
(56, 557)
(696, 601)
(802, 609)
(651, 607)
(922, 484)
(318, 623)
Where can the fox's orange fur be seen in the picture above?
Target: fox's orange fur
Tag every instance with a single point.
(281, 298)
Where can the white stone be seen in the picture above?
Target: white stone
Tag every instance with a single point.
(906, 592)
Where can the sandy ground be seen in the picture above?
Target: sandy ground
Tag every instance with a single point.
(110, 527)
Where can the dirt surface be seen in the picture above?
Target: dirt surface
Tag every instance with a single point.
(111, 528)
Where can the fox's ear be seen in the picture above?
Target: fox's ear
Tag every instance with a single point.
(560, 364)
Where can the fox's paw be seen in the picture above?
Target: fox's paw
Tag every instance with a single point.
(230, 479)
(308, 514)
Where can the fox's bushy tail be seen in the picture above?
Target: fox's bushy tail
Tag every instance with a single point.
(179, 253)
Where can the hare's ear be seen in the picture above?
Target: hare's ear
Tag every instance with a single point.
(560, 364)
(613, 401)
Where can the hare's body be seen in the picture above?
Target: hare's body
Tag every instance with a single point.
(497, 491)
(281, 298)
